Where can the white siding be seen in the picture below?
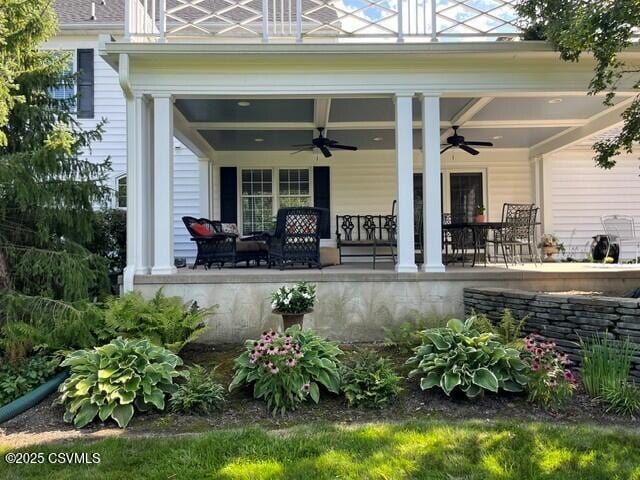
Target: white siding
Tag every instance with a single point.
(581, 193)
(109, 103)
(363, 182)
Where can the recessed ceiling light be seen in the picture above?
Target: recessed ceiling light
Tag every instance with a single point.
(243, 103)
(258, 140)
(497, 137)
(377, 139)
(555, 100)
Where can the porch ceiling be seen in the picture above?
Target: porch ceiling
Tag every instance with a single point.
(247, 124)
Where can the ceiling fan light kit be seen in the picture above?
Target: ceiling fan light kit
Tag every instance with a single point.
(458, 141)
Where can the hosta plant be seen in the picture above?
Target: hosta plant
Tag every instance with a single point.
(286, 369)
(369, 380)
(551, 381)
(458, 357)
(115, 379)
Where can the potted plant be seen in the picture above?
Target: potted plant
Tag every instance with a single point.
(550, 246)
(479, 216)
(293, 303)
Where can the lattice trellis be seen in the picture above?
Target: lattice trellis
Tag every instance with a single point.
(296, 19)
(476, 17)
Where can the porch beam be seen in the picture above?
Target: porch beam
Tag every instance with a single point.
(189, 136)
(466, 113)
(431, 195)
(404, 183)
(321, 111)
(163, 262)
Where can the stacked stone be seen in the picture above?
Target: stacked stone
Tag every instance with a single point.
(565, 319)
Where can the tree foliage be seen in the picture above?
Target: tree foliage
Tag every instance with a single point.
(603, 28)
(48, 189)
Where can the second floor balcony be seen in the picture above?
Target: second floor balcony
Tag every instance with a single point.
(320, 21)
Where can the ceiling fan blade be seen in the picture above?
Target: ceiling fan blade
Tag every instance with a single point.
(480, 144)
(306, 149)
(470, 150)
(445, 149)
(309, 145)
(325, 151)
(345, 147)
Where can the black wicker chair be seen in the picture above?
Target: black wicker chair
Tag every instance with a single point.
(296, 239)
(215, 247)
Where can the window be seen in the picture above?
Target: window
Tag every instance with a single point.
(293, 188)
(257, 200)
(85, 82)
(466, 195)
(121, 192)
(64, 92)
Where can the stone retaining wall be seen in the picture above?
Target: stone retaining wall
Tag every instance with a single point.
(562, 318)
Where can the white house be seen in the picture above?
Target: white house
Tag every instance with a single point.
(239, 83)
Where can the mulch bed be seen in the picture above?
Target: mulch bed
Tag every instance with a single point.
(44, 423)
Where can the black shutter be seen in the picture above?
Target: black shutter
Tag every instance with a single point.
(322, 197)
(229, 194)
(85, 82)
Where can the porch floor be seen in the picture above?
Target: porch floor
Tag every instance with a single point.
(363, 271)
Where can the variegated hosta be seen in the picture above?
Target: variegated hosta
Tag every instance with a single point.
(458, 356)
(109, 381)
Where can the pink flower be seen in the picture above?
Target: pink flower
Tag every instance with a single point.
(275, 370)
(535, 367)
(569, 376)
(291, 362)
(306, 387)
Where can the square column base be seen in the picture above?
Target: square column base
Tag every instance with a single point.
(433, 268)
(406, 268)
(168, 270)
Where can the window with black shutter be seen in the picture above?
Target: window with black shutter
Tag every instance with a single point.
(85, 83)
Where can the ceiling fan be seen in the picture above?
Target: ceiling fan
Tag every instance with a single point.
(324, 144)
(458, 141)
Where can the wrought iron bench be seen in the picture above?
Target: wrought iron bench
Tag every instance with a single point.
(370, 231)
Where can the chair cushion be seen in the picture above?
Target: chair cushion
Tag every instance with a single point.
(201, 230)
(250, 246)
(230, 228)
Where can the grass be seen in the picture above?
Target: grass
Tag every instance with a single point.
(423, 449)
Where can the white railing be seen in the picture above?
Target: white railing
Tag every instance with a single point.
(321, 20)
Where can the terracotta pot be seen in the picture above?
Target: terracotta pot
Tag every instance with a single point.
(290, 319)
(480, 218)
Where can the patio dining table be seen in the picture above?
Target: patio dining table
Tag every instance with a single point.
(479, 232)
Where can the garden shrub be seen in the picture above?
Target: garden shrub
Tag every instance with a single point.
(623, 399)
(109, 381)
(460, 357)
(369, 380)
(286, 369)
(406, 336)
(508, 330)
(199, 394)
(165, 321)
(606, 363)
(20, 378)
(551, 381)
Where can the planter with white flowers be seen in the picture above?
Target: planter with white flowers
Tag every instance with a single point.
(293, 303)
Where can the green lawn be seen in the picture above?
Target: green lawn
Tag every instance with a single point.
(420, 449)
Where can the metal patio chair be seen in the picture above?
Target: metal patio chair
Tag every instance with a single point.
(516, 233)
(621, 230)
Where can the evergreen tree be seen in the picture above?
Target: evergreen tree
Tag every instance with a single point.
(48, 189)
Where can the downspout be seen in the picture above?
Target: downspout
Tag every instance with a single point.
(123, 78)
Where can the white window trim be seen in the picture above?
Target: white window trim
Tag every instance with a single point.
(275, 187)
(116, 189)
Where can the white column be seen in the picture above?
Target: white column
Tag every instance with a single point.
(204, 170)
(141, 190)
(404, 179)
(163, 185)
(133, 214)
(431, 196)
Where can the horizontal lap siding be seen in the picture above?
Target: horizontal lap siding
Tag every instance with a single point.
(582, 193)
(109, 103)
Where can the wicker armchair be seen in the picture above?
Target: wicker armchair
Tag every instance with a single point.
(214, 246)
(296, 238)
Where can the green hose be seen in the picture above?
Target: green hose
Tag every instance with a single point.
(32, 398)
